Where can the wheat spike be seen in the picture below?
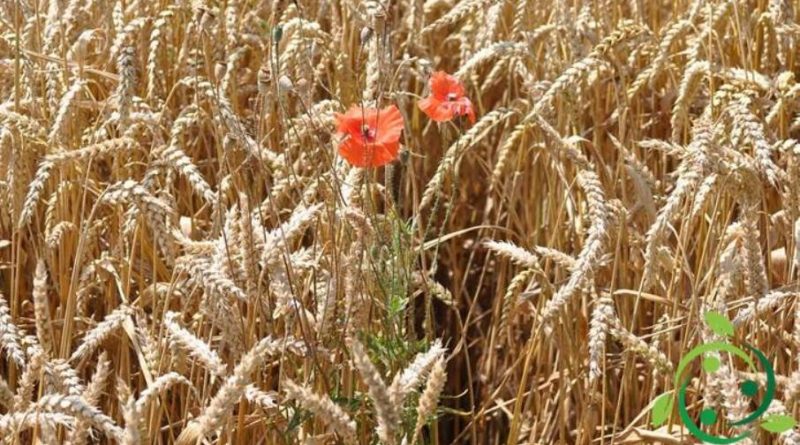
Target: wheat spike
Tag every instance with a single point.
(415, 373)
(232, 389)
(379, 393)
(75, 406)
(10, 335)
(429, 399)
(324, 409)
(592, 248)
(194, 346)
(41, 306)
(102, 331)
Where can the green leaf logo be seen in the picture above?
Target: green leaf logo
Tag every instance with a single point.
(778, 423)
(719, 323)
(662, 407)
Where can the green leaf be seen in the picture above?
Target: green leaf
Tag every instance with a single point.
(778, 423)
(719, 323)
(662, 407)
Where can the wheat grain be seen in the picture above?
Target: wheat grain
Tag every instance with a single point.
(685, 185)
(509, 303)
(636, 345)
(516, 254)
(455, 151)
(41, 306)
(94, 391)
(592, 248)
(52, 161)
(233, 388)
(430, 396)
(757, 281)
(415, 373)
(181, 162)
(325, 409)
(194, 346)
(57, 233)
(768, 302)
(690, 83)
(462, 10)
(101, 332)
(17, 422)
(75, 406)
(65, 108)
(10, 335)
(671, 35)
(265, 400)
(156, 42)
(386, 412)
(602, 316)
(63, 378)
(154, 390)
(711, 29)
(499, 50)
(753, 133)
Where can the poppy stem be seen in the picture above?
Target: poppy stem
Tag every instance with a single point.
(388, 182)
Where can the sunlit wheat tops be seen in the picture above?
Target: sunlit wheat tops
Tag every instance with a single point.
(395, 222)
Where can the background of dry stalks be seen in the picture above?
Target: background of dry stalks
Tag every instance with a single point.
(183, 257)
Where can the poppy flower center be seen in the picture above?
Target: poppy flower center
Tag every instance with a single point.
(368, 133)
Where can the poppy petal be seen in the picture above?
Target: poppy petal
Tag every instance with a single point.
(384, 153)
(438, 111)
(383, 130)
(438, 83)
(444, 85)
(347, 125)
(352, 121)
(368, 155)
(428, 104)
(353, 151)
(443, 112)
(361, 113)
(389, 125)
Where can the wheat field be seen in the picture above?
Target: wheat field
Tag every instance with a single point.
(396, 222)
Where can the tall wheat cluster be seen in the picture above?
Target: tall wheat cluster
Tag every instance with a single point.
(185, 257)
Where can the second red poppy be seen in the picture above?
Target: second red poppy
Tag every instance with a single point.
(447, 99)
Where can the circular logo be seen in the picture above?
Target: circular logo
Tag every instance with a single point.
(708, 417)
(748, 388)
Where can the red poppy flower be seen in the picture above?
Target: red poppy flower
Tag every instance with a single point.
(447, 99)
(371, 136)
